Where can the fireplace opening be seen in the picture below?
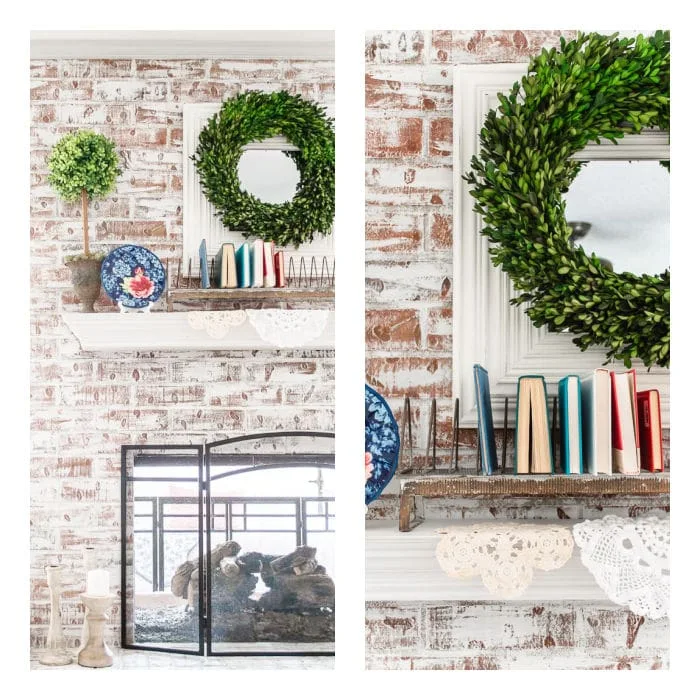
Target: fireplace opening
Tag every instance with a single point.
(228, 548)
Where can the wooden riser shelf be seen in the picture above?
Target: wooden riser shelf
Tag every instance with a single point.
(257, 294)
(548, 486)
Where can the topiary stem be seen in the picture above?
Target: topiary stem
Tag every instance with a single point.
(84, 199)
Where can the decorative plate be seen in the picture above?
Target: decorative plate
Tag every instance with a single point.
(381, 444)
(133, 276)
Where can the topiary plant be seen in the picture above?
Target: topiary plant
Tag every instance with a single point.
(83, 165)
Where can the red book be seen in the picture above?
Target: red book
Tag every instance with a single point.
(625, 423)
(651, 441)
(281, 280)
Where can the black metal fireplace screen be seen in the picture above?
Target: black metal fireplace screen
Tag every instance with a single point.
(227, 548)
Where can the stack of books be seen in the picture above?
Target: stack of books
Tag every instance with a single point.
(253, 264)
(606, 425)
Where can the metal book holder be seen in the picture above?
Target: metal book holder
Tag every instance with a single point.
(406, 462)
(300, 274)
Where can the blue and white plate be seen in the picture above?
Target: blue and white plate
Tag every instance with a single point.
(381, 444)
(133, 276)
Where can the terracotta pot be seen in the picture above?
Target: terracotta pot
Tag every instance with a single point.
(85, 275)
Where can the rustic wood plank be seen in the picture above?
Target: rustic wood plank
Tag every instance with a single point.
(413, 489)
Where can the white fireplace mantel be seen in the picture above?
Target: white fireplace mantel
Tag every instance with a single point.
(174, 331)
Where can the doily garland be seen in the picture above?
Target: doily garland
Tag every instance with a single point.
(216, 324)
(503, 554)
(629, 559)
(288, 328)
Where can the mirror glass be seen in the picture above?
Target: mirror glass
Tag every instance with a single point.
(620, 210)
(269, 175)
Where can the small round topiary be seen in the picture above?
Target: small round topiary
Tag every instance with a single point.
(591, 88)
(255, 116)
(83, 165)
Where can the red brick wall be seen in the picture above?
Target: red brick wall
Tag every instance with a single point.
(408, 100)
(85, 405)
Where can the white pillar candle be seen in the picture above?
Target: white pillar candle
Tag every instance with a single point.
(98, 582)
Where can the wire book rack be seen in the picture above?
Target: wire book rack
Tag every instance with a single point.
(308, 278)
(303, 272)
(407, 461)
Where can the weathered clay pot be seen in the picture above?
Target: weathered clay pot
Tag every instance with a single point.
(85, 275)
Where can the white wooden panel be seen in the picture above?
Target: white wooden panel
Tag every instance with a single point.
(487, 329)
(170, 331)
(199, 215)
(402, 566)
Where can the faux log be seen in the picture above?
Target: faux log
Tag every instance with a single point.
(225, 549)
(297, 558)
(294, 592)
(251, 562)
(230, 568)
(181, 579)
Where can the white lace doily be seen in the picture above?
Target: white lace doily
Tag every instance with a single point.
(216, 323)
(503, 554)
(288, 328)
(629, 559)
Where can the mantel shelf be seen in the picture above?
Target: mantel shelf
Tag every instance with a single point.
(172, 331)
(403, 567)
(528, 485)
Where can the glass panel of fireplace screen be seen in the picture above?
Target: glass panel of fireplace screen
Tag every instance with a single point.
(267, 521)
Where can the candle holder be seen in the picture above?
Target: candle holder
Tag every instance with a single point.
(89, 563)
(56, 653)
(96, 654)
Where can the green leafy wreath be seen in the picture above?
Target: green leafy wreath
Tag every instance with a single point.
(593, 87)
(255, 116)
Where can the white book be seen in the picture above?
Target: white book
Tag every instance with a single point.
(256, 267)
(597, 422)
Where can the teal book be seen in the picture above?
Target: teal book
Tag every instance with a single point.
(204, 264)
(571, 424)
(486, 432)
(533, 437)
(243, 265)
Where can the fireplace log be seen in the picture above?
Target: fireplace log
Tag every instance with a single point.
(251, 562)
(292, 592)
(298, 558)
(225, 549)
(307, 567)
(230, 568)
(181, 579)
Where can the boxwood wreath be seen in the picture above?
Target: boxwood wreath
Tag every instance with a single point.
(592, 87)
(254, 116)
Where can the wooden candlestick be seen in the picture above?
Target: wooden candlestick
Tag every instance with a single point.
(96, 653)
(56, 653)
(89, 563)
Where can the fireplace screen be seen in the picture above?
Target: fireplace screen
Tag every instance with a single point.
(228, 547)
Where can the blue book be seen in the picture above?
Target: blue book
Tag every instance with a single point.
(571, 424)
(533, 439)
(203, 264)
(243, 265)
(487, 434)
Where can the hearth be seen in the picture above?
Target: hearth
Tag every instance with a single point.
(227, 548)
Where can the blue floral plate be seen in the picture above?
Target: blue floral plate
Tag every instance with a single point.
(381, 444)
(133, 276)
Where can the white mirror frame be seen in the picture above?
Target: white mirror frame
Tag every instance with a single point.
(199, 219)
(487, 329)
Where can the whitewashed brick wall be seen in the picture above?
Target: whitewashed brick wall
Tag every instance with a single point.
(85, 405)
(408, 244)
